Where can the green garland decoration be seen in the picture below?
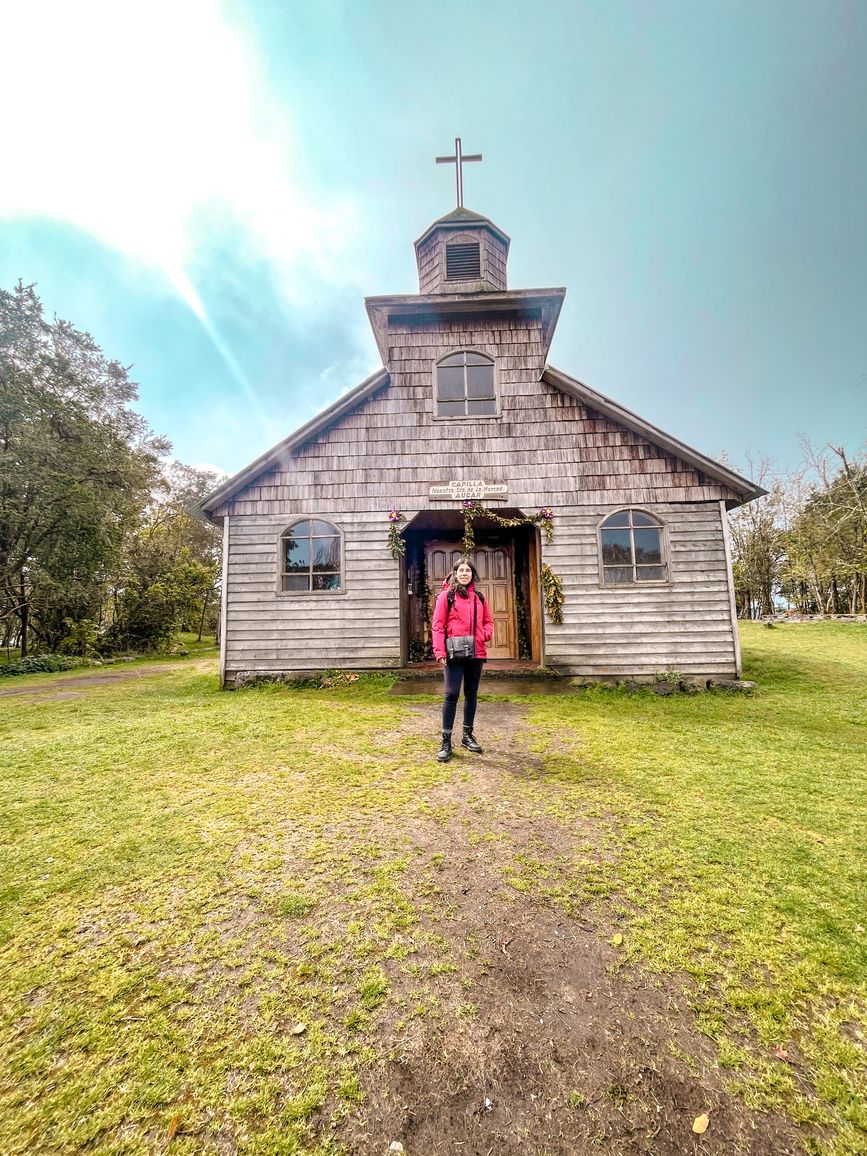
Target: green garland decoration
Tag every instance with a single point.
(396, 543)
(473, 509)
(552, 590)
(523, 632)
(552, 586)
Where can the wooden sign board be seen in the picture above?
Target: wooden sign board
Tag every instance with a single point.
(461, 491)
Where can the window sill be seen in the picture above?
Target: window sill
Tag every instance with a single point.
(310, 593)
(485, 417)
(635, 585)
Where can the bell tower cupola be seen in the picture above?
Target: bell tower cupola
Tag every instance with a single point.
(462, 252)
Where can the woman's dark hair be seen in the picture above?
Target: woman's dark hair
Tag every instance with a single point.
(453, 577)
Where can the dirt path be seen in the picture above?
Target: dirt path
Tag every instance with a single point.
(545, 1046)
(75, 684)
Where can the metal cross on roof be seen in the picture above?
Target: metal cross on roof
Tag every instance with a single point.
(459, 160)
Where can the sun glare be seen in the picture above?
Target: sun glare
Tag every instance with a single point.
(131, 122)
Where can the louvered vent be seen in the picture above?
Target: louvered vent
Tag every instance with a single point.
(463, 262)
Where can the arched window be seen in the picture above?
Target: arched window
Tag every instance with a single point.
(465, 385)
(631, 544)
(310, 556)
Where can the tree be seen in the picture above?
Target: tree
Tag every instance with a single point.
(172, 564)
(758, 545)
(804, 544)
(826, 563)
(76, 467)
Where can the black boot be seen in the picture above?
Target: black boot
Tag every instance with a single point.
(469, 741)
(445, 751)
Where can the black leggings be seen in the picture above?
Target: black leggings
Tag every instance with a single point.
(469, 672)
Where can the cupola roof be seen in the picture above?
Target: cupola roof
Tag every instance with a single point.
(461, 219)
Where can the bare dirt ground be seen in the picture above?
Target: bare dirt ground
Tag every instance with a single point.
(562, 1052)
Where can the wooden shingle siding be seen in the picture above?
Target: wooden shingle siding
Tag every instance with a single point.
(550, 448)
(384, 448)
(431, 258)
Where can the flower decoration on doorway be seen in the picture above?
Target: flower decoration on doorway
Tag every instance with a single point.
(396, 544)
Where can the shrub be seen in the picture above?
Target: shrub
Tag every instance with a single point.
(41, 663)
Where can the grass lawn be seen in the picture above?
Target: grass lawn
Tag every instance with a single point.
(234, 922)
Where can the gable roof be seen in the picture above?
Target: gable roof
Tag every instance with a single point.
(285, 448)
(555, 378)
(625, 417)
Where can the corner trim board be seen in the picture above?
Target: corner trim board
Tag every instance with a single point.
(224, 600)
(730, 580)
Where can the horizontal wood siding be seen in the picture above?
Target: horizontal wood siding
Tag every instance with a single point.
(269, 631)
(606, 631)
(639, 630)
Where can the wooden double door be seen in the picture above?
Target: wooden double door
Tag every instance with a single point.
(495, 567)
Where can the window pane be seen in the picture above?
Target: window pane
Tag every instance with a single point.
(326, 581)
(651, 573)
(297, 554)
(322, 529)
(296, 581)
(621, 519)
(480, 381)
(478, 359)
(615, 547)
(647, 548)
(455, 359)
(451, 391)
(483, 406)
(326, 553)
(299, 530)
(450, 383)
(451, 409)
(639, 519)
(617, 573)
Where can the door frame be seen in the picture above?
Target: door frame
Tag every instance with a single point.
(447, 526)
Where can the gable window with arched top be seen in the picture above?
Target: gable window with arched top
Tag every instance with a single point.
(632, 548)
(310, 556)
(465, 386)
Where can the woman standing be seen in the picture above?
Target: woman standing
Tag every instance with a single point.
(460, 612)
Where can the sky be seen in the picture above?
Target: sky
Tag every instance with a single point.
(211, 189)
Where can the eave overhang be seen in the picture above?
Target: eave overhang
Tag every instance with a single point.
(437, 306)
(746, 489)
(284, 449)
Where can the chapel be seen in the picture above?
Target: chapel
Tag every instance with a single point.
(600, 540)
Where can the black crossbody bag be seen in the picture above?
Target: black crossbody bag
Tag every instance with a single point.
(462, 646)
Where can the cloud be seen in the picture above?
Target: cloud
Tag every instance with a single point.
(140, 124)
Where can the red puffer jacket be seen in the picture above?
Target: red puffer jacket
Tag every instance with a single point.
(460, 620)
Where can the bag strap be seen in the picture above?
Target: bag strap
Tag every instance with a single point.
(451, 597)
